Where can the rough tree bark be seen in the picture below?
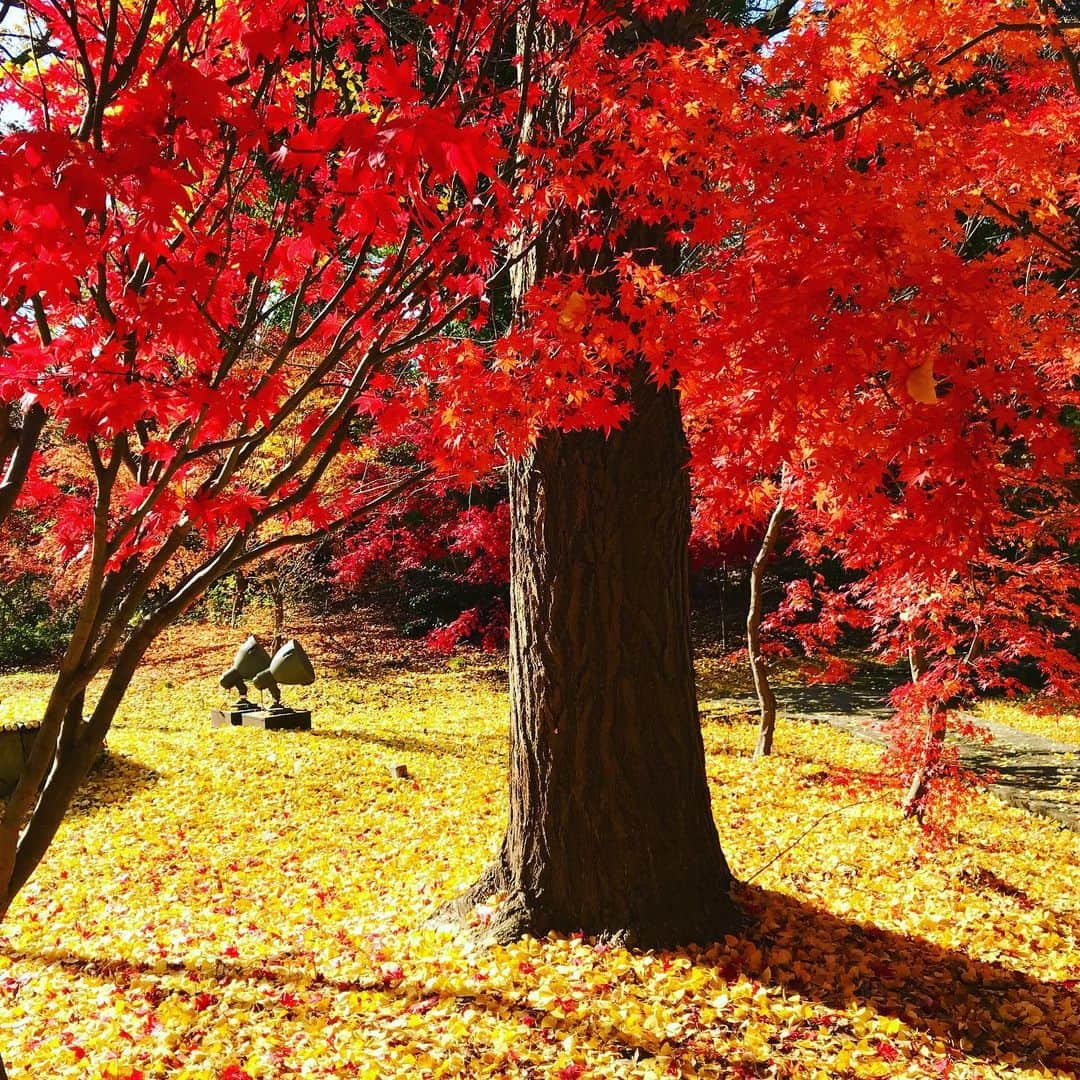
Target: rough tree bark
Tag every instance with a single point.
(610, 830)
(610, 823)
(758, 667)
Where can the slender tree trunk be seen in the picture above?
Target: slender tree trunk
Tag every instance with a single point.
(611, 830)
(239, 594)
(933, 741)
(723, 607)
(758, 668)
(277, 596)
(35, 810)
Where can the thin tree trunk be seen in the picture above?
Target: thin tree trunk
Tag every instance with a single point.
(933, 741)
(610, 829)
(758, 667)
(239, 593)
(277, 596)
(55, 770)
(723, 607)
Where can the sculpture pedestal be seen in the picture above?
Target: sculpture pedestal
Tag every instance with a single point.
(233, 716)
(267, 719)
(226, 717)
(278, 719)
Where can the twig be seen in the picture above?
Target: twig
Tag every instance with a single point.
(810, 828)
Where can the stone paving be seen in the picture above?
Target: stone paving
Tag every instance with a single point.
(1038, 774)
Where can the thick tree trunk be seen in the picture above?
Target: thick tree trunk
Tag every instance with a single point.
(610, 830)
(758, 668)
(610, 827)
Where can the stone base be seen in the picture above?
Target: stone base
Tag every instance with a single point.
(15, 747)
(278, 719)
(267, 719)
(227, 717)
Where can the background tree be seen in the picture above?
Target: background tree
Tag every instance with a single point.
(221, 227)
(440, 559)
(758, 668)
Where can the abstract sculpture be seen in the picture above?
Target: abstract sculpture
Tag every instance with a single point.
(289, 666)
(250, 659)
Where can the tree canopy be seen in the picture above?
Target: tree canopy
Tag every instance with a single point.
(247, 249)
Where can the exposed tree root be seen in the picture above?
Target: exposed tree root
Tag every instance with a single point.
(517, 915)
(456, 914)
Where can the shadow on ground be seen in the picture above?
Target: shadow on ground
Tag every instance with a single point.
(1025, 770)
(441, 743)
(866, 694)
(988, 1007)
(995, 1007)
(112, 782)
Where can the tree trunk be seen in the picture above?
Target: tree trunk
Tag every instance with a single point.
(932, 744)
(277, 596)
(19, 446)
(723, 608)
(758, 667)
(239, 595)
(610, 825)
(611, 829)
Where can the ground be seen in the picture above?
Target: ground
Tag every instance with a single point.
(1038, 716)
(235, 902)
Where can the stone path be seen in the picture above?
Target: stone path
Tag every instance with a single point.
(1038, 774)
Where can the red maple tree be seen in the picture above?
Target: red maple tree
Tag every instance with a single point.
(238, 239)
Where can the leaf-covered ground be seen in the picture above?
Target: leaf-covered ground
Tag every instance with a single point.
(1037, 717)
(238, 903)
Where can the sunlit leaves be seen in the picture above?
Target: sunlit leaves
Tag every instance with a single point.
(920, 383)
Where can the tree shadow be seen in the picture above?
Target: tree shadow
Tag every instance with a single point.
(866, 694)
(114, 780)
(1023, 768)
(987, 1005)
(987, 1008)
(449, 742)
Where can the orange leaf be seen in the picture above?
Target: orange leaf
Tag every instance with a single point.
(572, 316)
(920, 383)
